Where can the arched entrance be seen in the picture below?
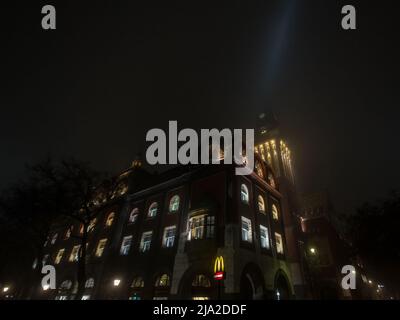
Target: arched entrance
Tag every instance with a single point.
(282, 289)
(252, 283)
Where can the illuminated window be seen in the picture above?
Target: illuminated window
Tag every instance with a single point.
(74, 253)
(153, 210)
(264, 238)
(81, 228)
(86, 297)
(133, 215)
(169, 236)
(200, 226)
(68, 233)
(259, 169)
(271, 180)
(100, 247)
(201, 298)
(174, 203)
(92, 224)
(244, 193)
(246, 230)
(162, 281)
(35, 262)
(261, 204)
(54, 238)
(145, 242)
(275, 213)
(126, 245)
(200, 280)
(45, 259)
(89, 283)
(110, 219)
(279, 243)
(137, 282)
(59, 256)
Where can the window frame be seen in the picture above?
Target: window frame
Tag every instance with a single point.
(142, 247)
(125, 248)
(249, 231)
(101, 242)
(166, 239)
(268, 242)
(244, 193)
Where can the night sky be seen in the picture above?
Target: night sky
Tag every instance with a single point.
(115, 69)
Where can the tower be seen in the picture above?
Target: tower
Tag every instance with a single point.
(274, 150)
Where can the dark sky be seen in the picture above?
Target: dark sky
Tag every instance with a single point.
(115, 69)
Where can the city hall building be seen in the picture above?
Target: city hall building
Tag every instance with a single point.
(160, 235)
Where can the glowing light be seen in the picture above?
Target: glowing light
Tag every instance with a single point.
(370, 281)
(353, 272)
(5, 289)
(117, 282)
(46, 287)
(313, 250)
(219, 264)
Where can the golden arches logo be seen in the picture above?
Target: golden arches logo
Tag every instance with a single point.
(219, 264)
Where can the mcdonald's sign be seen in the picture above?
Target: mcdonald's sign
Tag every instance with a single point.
(219, 268)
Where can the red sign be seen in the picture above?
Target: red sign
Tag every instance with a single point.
(220, 275)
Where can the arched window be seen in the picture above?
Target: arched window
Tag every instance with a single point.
(200, 280)
(153, 209)
(174, 203)
(110, 219)
(261, 204)
(137, 282)
(89, 283)
(275, 212)
(271, 180)
(163, 281)
(133, 215)
(244, 193)
(259, 169)
(66, 285)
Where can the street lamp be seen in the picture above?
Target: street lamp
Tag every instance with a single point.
(313, 250)
(5, 289)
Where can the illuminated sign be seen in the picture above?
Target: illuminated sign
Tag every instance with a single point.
(219, 268)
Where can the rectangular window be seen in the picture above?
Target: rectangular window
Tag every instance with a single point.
(74, 253)
(264, 238)
(169, 237)
(210, 226)
(196, 227)
(126, 245)
(246, 230)
(100, 247)
(59, 256)
(45, 259)
(279, 243)
(145, 242)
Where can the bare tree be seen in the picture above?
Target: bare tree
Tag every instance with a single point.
(56, 193)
